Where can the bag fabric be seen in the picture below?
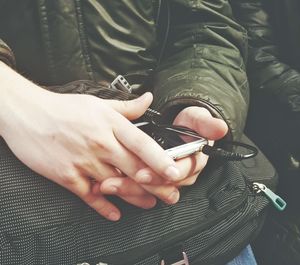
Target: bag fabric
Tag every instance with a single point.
(279, 240)
(42, 223)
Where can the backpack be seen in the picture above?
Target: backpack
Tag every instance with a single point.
(43, 223)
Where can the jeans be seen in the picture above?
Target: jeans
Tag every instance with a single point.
(246, 257)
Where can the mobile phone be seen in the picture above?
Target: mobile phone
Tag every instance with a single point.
(186, 149)
(176, 144)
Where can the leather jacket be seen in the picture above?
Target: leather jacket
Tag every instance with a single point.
(195, 50)
(274, 76)
(274, 121)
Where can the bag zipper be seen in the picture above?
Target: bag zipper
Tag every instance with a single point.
(256, 188)
(250, 188)
(277, 201)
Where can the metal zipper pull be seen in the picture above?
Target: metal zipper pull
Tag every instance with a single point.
(277, 201)
(121, 83)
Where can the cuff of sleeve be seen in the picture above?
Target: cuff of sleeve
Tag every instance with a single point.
(227, 101)
(172, 107)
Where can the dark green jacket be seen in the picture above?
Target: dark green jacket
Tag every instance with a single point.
(274, 76)
(274, 116)
(203, 63)
(274, 57)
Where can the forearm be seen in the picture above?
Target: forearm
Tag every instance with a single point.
(17, 95)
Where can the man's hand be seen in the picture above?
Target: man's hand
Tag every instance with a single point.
(73, 138)
(200, 120)
(196, 118)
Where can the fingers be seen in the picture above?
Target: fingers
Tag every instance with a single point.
(132, 109)
(97, 170)
(189, 167)
(201, 120)
(111, 181)
(192, 165)
(127, 162)
(140, 195)
(165, 192)
(129, 191)
(147, 150)
(188, 181)
(137, 142)
(145, 202)
(82, 187)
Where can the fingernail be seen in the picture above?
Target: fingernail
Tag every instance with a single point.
(143, 178)
(172, 173)
(150, 204)
(113, 216)
(173, 197)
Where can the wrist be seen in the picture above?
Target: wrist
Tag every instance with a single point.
(17, 95)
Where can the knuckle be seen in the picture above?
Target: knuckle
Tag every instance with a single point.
(99, 144)
(115, 173)
(173, 196)
(200, 166)
(70, 177)
(190, 181)
(90, 199)
(103, 208)
(114, 154)
(198, 163)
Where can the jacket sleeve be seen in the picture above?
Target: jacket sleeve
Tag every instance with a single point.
(269, 76)
(6, 55)
(204, 63)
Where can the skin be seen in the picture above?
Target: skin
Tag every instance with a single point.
(200, 120)
(74, 138)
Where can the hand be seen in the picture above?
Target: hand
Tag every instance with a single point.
(200, 120)
(70, 138)
(196, 118)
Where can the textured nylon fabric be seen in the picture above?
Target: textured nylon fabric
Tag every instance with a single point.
(42, 223)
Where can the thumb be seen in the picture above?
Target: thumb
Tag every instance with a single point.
(200, 120)
(132, 109)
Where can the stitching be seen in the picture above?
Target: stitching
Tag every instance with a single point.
(83, 40)
(46, 37)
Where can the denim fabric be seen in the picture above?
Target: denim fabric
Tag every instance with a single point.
(246, 257)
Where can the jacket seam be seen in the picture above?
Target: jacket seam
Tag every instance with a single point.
(83, 39)
(245, 82)
(46, 37)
